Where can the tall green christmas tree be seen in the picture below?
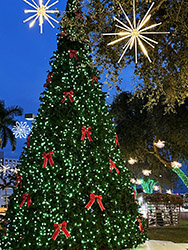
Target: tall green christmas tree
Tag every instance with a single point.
(73, 190)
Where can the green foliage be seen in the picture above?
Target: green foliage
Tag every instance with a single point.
(7, 120)
(138, 129)
(60, 192)
(167, 75)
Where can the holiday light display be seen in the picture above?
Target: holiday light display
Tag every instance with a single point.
(135, 33)
(75, 191)
(41, 12)
(21, 130)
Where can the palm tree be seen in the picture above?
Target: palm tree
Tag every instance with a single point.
(6, 120)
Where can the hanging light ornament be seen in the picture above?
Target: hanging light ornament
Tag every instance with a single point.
(41, 11)
(135, 33)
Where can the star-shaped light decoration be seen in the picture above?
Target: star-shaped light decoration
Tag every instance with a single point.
(135, 33)
(146, 172)
(41, 11)
(159, 144)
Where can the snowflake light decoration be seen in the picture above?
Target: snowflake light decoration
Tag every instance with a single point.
(21, 130)
(4, 169)
(156, 188)
(159, 144)
(15, 170)
(41, 11)
(135, 33)
(132, 180)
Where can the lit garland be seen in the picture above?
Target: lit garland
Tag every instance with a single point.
(182, 175)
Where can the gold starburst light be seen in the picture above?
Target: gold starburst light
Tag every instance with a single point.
(135, 33)
(41, 11)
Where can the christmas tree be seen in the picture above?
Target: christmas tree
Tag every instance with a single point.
(73, 190)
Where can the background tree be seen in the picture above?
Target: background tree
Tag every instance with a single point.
(6, 121)
(167, 74)
(139, 130)
(72, 162)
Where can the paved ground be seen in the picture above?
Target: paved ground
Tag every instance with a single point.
(163, 245)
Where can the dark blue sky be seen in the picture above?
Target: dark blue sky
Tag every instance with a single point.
(25, 55)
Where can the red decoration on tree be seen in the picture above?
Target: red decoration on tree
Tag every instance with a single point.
(140, 225)
(79, 16)
(57, 229)
(73, 53)
(116, 140)
(134, 194)
(18, 180)
(25, 197)
(92, 200)
(48, 80)
(84, 132)
(48, 156)
(62, 33)
(113, 165)
(4, 229)
(28, 140)
(69, 94)
(94, 79)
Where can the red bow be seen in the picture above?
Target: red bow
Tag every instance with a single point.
(116, 140)
(57, 229)
(18, 179)
(134, 194)
(113, 165)
(84, 131)
(48, 156)
(140, 225)
(62, 34)
(28, 140)
(4, 229)
(48, 80)
(79, 16)
(25, 197)
(69, 94)
(94, 79)
(92, 200)
(73, 53)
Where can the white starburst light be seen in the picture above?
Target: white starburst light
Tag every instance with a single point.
(21, 130)
(4, 169)
(41, 11)
(135, 33)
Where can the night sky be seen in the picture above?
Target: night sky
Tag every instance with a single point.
(25, 56)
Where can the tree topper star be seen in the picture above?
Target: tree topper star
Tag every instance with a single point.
(135, 33)
(41, 11)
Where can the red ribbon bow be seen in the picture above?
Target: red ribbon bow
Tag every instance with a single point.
(116, 140)
(28, 140)
(47, 156)
(134, 194)
(113, 165)
(79, 16)
(92, 200)
(25, 197)
(140, 225)
(94, 79)
(84, 131)
(73, 53)
(48, 80)
(57, 229)
(69, 94)
(4, 229)
(18, 180)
